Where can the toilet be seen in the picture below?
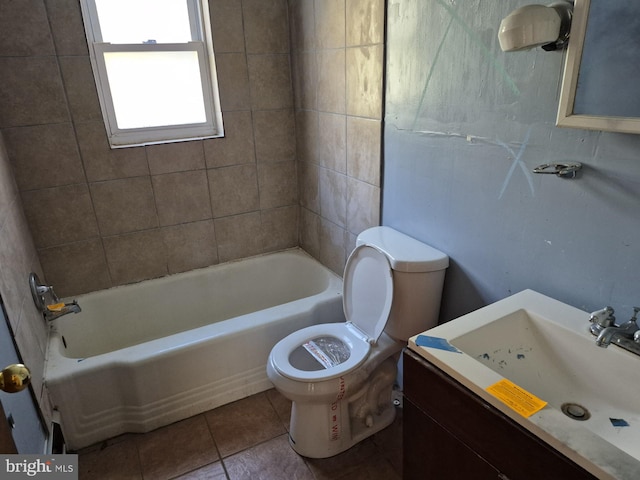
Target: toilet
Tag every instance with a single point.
(340, 376)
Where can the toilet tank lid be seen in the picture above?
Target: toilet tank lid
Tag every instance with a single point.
(406, 254)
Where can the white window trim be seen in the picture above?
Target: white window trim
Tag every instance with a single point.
(121, 138)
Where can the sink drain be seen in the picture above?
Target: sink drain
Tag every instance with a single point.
(575, 411)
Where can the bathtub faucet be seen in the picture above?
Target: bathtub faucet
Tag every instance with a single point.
(53, 308)
(60, 309)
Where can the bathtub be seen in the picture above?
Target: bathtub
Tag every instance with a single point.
(142, 356)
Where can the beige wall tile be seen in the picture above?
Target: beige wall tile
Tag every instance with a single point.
(332, 81)
(278, 185)
(44, 155)
(333, 241)
(125, 205)
(226, 23)
(302, 25)
(17, 253)
(182, 197)
(270, 81)
(80, 88)
(309, 186)
(233, 81)
(364, 149)
(310, 232)
(275, 135)
(76, 268)
(103, 163)
(330, 23)
(65, 19)
(60, 214)
(136, 256)
(31, 92)
(363, 200)
(364, 81)
(236, 147)
(307, 145)
(17, 258)
(333, 196)
(332, 141)
(8, 186)
(365, 19)
(25, 29)
(233, 190)
(238, 236)
(280, 228)
(190, 245)
(32, 344)
(305, 79)
(264, 30)
(175, 157)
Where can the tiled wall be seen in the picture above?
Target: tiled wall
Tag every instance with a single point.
(337, 57)
(102, 217)
(87, 217)
(18, 257)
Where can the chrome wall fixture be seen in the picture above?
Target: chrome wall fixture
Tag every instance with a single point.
(563, 170)
(536, 25)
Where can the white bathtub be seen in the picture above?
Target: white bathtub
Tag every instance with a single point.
(145, 355)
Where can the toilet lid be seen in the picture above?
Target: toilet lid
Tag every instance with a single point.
(368, 290)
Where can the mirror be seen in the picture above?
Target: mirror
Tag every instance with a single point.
(600, 88)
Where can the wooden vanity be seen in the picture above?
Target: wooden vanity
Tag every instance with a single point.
(449, 433)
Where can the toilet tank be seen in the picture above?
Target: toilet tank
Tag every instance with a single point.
(418, 277)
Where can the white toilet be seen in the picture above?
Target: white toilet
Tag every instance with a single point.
(340, 376)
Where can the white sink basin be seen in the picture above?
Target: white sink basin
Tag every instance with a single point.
(544, 346)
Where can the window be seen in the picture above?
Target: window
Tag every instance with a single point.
(154, 69)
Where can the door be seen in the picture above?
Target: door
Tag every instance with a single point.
(19, 413)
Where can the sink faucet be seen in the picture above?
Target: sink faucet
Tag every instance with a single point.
(626, 335)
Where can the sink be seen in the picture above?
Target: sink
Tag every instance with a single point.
(544, 346)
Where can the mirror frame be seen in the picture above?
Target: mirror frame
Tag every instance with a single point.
(566, 117)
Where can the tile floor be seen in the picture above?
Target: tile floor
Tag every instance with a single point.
(246, 439)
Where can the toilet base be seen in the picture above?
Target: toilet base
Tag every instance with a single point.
(321, 430)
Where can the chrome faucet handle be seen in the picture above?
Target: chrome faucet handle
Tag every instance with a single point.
(603, 317)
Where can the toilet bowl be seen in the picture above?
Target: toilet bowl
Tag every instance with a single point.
(340, 376)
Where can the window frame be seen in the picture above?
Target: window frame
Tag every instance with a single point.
(202, 45)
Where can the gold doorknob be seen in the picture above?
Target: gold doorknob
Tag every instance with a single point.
(15, 378)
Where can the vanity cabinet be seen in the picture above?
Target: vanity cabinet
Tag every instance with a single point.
(449, 433)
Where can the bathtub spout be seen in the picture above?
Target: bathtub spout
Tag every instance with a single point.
(58, 310)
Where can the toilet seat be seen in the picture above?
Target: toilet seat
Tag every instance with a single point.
(358, 349)
(367, 297)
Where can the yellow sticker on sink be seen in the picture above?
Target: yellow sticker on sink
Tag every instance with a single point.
(516, 398)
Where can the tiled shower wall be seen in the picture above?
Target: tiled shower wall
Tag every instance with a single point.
(18, 257)
(102, 217)
(338, 58)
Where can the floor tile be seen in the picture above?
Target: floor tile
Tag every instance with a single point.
(250, 436)
(176, 449)
(118, 461)
(271, 460)
(243, 424)
(389, 442)
(344, 463)
(214, 471)
(376, 468)
(282, 406)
